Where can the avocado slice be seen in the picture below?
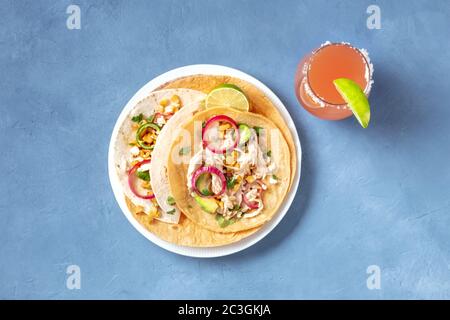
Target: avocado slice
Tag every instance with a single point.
(244, 133)
(203, 184)
(207, 204)
(223, 223)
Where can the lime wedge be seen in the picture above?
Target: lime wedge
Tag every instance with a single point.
(228, 96)
(355, 98)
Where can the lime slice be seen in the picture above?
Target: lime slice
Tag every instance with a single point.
(355, 98)
(228, 96)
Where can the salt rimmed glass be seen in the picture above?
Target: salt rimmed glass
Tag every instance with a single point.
(342, 60)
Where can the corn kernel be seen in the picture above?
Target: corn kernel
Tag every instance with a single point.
(224, 126)
(175, 99)
(250, 179)
(153, 213)
(229, 159)
(145, 153)
(153, 210)
(147, 138)
(135, 162)
(164, 102)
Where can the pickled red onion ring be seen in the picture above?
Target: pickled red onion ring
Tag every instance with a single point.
(211, 170)
(259, 186)
(251, 205)
(131, 182)
(213, 120)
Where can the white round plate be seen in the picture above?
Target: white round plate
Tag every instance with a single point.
(213, 251)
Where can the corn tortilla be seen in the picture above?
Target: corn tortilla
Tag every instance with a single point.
(273, 197)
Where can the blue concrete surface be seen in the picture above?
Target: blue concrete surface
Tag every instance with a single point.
(379, 196)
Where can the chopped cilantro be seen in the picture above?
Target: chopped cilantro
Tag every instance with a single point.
(143, 175)
(184, 150)
(236, 207)
(206, 192)
(170, 200)
(137, 118)
(171, 211)
(269, 153)
(223, 223)
(231, 182)
(258, 130)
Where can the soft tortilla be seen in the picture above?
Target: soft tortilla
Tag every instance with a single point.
(192, 102)
(198, 236)
(186, 232)
(273, 197)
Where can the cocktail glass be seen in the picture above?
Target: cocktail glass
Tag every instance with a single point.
(314, 86)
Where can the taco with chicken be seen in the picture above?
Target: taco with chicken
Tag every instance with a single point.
(143, 161)
(236, 173)
(141, 155)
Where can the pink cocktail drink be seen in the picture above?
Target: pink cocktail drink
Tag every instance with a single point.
(314, 86)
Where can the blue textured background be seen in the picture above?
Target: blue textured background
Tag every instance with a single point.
(377, 196)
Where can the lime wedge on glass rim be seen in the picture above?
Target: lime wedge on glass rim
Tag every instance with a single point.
(229, 96)
(355, 98)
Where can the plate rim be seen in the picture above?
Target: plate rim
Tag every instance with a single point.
(204, 252)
